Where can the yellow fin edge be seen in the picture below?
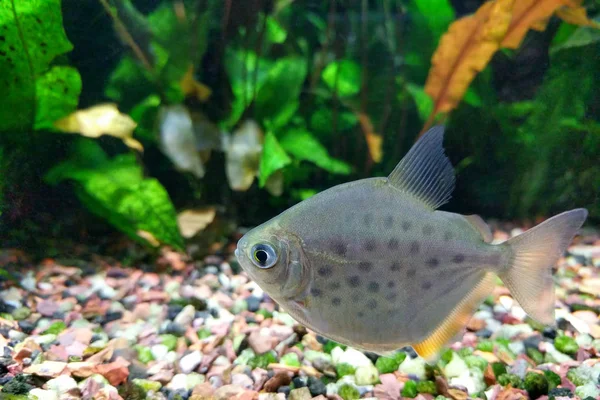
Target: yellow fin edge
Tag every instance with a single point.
(429, 349)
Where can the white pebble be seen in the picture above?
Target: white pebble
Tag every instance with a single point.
(366, 375)
(61, 384)
(41, 394)
(413, 366)
(190, 362)
(159, 351)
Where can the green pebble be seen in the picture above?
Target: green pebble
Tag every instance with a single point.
(344, 369)
(21, 313)
(147, 385)
(204, 333)
(169, 340)
(575, 378)
(499, 369)
(566, 344)
(386, 365)
(400, 357)
(476, 362)
(330, 345)
(535, 355)
(348, 392)
(536, 385)
(265, 313)
(291, 359)
(409, 389)
(465, 352)
(426, 387)
(446, 357)
(486, 345)
(55, 328)
(145, 354)
(510, 379)
(263, 360)
(553, 379)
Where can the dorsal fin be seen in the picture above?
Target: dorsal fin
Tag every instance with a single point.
(481, 227)
(425, 172)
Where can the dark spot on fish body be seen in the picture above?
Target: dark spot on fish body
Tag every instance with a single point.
(393, 244)
(448, 236)
(389, 222)
(406, 225)
(411, 273)
(368, 219)
(370, 245)
(395, 267)
(373, 287)
(427, 229)
(414, 247)
(432, 262)
(360, 314)
(316, 292)
(391, 296)
(459, 258)
(324, 272)
(339, 248)
(426, 285)
(336, 301)
(372, 303)
(391, 284)
(354, 281)
(334, 286)
(365, 266)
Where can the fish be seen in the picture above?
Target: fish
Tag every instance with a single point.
(375, 265)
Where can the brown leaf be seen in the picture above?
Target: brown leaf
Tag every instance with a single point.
(102, 119)
(192, 88)
(193, 221)
(374, 140)
(464, 51)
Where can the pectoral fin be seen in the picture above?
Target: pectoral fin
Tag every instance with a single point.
(430, 348)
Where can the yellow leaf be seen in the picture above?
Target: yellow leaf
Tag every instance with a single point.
(373, 139)
(576, 15)
(102, 119)
(464, 51)
(192, 88)
(528, 14)
(193, 221)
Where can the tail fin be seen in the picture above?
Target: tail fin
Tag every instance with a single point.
(535, 252)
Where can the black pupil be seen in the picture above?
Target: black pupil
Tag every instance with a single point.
(262, 256)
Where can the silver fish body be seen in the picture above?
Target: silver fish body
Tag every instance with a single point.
(374, 265)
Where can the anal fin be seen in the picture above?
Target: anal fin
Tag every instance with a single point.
(430, 348)
(479, 224)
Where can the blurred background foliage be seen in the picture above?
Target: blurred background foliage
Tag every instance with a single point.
(152, 117)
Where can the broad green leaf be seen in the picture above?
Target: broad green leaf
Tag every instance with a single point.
(323, 119)
(278, 98)
(145, 114)
(472, 98)
(577, 37)
(246, 74)
(58, 94)
(275, 32)
(273, 158)
(343, 76)
(302, 145)
(184, 40)
(422, 100)
(31, 37)
(116, 190)
(436, 14)
(129, 83)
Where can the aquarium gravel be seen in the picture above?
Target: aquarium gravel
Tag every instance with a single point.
(94, 329)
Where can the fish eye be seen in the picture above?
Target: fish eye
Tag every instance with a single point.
(263, 255)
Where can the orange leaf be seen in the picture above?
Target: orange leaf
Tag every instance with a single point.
(464, 51)
(528, 14)
(576, 16)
